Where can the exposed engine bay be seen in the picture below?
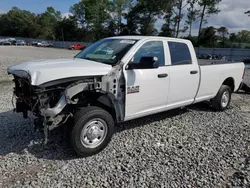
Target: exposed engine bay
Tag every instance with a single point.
(55, 102)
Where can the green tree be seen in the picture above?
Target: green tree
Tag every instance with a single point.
(208, 37)
(94, 14)
(47, 21)
(56, 14)
(146, 10)
(233, 37)
(131, 28)
(173, 15)
(192, 14)
(119, 9)
(223, 32)
(193, 39)
(180, 5)
(243, 36)
(168, 29)
(18, 22)
(78, 10)
(208, 7)
(142, 16)
(111, 29)
(67, 30)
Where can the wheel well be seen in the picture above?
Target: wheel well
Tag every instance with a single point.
(97, 99)
(229, 82)
(108, 108)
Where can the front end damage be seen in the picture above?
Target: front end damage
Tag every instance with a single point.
(54, 103)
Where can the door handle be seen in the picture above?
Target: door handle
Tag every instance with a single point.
(193, 72)
(162, 75)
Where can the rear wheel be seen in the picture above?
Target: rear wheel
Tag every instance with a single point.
(222, 99)
(92, 131)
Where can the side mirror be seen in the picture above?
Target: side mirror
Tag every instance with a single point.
(146, 62)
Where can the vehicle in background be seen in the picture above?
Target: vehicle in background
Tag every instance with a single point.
(211, 57)
(34, 43)
(1, 41)
(12, 41)
(20, 43)
(76, 47)
(26, 42)
(6, 42)
(44, 44)
(119, 79)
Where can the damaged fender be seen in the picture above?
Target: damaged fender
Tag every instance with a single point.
(65, 99)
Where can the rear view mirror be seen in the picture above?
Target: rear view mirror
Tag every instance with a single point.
(146, 62)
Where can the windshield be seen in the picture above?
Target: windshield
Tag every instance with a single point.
(108, 51)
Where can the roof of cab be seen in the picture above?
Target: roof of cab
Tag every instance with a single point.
(138, 37)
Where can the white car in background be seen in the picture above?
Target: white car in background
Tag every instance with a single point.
(44, 44)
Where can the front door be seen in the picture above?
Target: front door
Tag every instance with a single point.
(147, 89)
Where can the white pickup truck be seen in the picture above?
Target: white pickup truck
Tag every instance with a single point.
(119, 79)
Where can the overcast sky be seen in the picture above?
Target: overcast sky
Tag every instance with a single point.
(231, 16)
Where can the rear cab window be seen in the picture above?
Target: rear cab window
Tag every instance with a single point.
(179, 53)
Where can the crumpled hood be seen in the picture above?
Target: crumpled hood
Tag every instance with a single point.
(43, 71)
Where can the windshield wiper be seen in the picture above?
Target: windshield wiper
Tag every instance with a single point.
(87, 58)
(96, 60)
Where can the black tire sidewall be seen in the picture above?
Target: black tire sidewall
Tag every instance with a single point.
(217, 104)
(81, 122)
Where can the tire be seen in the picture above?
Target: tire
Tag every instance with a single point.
(91, 119)
(223, 98)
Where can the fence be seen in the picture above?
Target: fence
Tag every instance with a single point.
(231, 54)
(57, 44)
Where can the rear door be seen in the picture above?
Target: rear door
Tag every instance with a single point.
(184, 75)
(147, 89)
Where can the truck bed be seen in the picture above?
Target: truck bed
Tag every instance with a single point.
(203, 62)
(212, 77)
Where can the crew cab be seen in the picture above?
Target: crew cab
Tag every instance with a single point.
(118, 79)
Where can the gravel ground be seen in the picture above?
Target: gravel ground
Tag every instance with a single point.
(191, 147)
(11, 55)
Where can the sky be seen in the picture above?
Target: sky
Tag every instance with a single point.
(37, 6)
(231, 15)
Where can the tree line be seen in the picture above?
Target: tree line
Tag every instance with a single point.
(91, 20)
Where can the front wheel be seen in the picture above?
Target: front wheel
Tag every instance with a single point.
(92, 131)
(222, 99)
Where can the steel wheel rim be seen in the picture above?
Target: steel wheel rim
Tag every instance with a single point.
(225, 99)
(94, 133)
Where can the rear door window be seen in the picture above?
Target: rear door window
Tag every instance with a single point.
(180, 54)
